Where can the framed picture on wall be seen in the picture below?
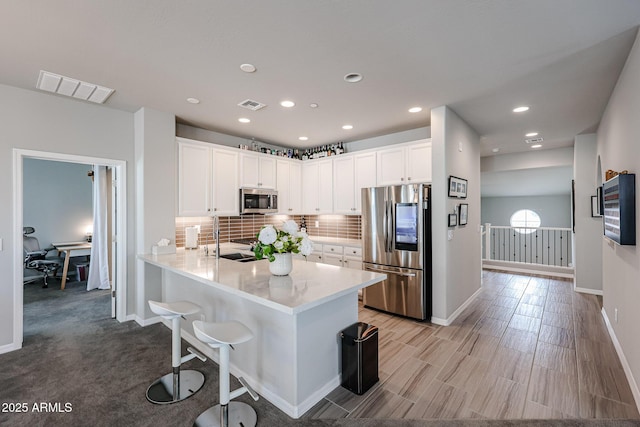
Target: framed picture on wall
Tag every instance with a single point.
(457, 187)
(453, 220)
(463, 213)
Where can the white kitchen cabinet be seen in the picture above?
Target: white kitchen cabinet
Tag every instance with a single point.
(289, 186)
(344, 201)
(194, 182)
(257, 171)
(342, 256)
(351, 174)
(365, 176)
(225, 195)
(317, 187)
(406, 164)
(418, 162)
(207, 180)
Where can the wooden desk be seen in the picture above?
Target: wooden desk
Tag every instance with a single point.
(67, 248)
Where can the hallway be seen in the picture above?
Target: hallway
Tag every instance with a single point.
(527, 347)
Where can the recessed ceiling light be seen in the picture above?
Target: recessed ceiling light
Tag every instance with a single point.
(248, 68)
(287, 104)
(353, 77)
(530, 134)
(415, 109)
(313, 105)
(347, 127)
(303, 138)
(495, 150)
(244, 120)
(193, 100)
(536, 146)
(521, 109)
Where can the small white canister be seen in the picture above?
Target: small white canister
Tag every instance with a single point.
(191, 237)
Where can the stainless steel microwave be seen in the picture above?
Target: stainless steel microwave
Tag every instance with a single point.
(258, 200)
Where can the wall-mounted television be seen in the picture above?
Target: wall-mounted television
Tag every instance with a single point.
(619, 209)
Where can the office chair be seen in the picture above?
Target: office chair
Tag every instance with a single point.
(36, 266)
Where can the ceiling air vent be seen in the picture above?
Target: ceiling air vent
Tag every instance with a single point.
(67, 86)
(252, 105)
(534, 140)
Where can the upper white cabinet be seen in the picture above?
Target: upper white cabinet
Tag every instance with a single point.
(194, 180)
(257, 171)
(317, 187)
(207, 180)
(289, 186)
(226, 194)
(351, 173)
(365, 175)
(407, 164)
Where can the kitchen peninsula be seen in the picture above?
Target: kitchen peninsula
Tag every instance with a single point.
(293, 360)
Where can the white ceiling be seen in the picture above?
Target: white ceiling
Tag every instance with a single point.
(481, 57)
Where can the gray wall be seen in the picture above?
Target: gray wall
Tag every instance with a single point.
(37, 121)
(57, 200)
(456, 151)
(554, 211)
(619, 149)
(587, 247)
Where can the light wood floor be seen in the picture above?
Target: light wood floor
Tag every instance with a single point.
(527, 347)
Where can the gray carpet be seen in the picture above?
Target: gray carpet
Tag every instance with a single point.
(93, 371)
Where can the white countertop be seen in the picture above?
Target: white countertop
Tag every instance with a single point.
(336, 241)
(309, 285)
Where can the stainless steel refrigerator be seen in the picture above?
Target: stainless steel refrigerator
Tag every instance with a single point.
(396, 233)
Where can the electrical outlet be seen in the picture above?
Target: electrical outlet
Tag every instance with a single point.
(1, 244)
(317, 224)
(615, 314)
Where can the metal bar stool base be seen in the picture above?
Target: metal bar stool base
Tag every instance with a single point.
(161, 391)
(240, 414)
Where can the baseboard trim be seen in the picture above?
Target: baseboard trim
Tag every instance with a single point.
(588, 291)
(147, 322)
(625, 364)
(563, 272)
(449, 320)
(10, 347)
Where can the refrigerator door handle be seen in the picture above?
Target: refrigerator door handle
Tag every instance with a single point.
(380, 270)
(389, 234)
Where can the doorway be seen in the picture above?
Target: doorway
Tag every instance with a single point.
(117, 249)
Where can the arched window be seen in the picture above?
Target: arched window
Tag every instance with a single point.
(525, 218)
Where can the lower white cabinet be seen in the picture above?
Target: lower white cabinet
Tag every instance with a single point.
(342, 256)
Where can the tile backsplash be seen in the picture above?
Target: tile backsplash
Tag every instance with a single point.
(235, 227)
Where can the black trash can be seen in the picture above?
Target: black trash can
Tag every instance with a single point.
(359, 357)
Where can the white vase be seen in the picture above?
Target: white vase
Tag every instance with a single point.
(282, 264)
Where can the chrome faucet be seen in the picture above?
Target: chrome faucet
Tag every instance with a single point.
(216, 234)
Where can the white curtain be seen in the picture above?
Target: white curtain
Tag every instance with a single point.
(99, 268)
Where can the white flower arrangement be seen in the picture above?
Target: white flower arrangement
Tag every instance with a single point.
(288, 239)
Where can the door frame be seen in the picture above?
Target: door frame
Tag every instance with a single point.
(119, 280)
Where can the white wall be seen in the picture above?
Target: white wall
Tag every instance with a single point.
(456, 151)
(619, 149)
(57, 200)
(554, 211)
(37, 121)
(587, 240)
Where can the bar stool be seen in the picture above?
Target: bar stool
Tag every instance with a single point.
(223, 336)
(177, 385)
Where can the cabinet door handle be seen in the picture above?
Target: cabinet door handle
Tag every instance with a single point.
(401, 179)
(409, 178)
(215, 209)
(208, 209)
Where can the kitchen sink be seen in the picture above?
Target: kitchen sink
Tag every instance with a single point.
(240, 257)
